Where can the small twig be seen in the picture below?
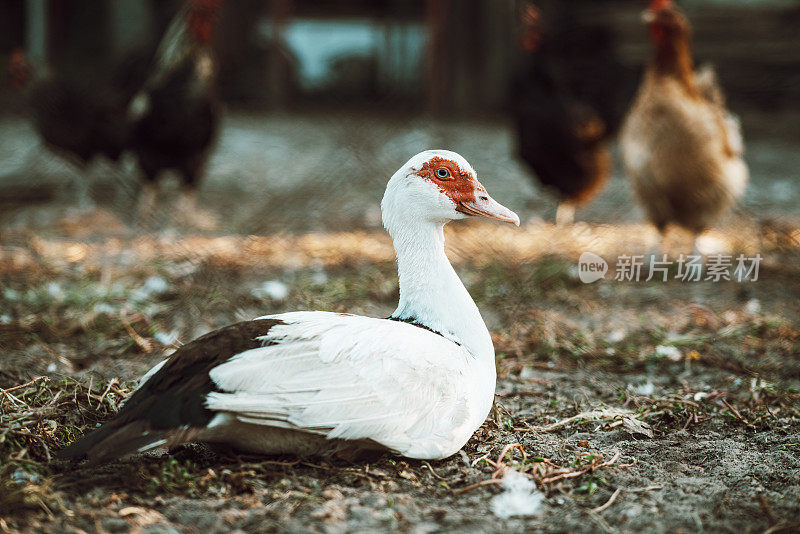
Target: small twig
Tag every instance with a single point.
(689, 420)
(508, 447)
(484, 457)
(594, 414)
(783, 527)
(290, 463)
(559, 474)
(602, 522)
(426, 464)
(500, 465)
(143, 343)
(315, 466)
(103, 396)
(570, 474)
(610, 462)
(735, 412)
(520, 393)
(497, 417)
(608, 503)
(14, 400)
(32, 382)
(642, 490)
(770, 412)
(633, 463)
(487, 482)
(46, 508)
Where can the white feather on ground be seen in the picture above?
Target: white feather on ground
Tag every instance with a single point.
(272, 289)
(519, 498)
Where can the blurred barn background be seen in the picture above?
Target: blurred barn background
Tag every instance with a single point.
(418, 55)
(341, 93)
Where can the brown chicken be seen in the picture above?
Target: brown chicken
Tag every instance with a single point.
(681, 148)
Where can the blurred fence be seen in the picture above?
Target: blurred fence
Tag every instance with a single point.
(440, 55)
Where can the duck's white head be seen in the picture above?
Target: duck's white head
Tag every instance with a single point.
(438, 186)
(433, 188)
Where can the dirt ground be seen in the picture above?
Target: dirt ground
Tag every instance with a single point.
(632, 406)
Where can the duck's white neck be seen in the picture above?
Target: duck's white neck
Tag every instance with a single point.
(431, 294)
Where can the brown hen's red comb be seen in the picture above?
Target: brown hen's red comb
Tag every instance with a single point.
(658, 5)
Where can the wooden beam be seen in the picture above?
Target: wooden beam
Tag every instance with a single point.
(279, 82)
(437, 56)
(36, 31)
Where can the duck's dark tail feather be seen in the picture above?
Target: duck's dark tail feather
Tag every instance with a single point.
(110, 442)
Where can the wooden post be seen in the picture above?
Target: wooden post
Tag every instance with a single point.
(36, 30)
(279, 83)
(437, 56)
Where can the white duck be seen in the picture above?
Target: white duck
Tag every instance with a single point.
(418, 384)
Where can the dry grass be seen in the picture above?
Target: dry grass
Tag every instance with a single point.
(471, 243)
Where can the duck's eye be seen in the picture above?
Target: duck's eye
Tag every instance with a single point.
(442, 172)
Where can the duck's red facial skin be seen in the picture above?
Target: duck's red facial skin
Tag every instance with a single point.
(459, 185)
(464, 190)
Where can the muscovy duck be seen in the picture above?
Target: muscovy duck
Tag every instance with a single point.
(418, 383)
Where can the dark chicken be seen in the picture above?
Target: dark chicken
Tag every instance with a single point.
(567, 102)
(174, 119)
(79, 115)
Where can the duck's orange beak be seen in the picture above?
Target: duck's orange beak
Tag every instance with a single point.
(486, 206)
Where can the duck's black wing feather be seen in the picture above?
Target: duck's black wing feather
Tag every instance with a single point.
(169, 408)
